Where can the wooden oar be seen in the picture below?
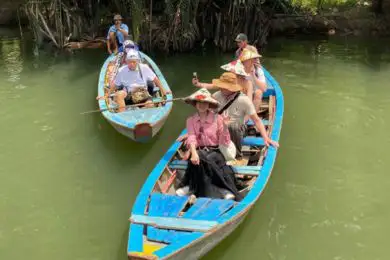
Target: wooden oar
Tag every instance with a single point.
(135, 105)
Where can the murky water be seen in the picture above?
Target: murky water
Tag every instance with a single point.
(68, 181)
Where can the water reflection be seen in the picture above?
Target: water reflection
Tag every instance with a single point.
(10, 55)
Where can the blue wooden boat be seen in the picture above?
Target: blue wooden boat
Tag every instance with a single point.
(138, 124)
(166, 226)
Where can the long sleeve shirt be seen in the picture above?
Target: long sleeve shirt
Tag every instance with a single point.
(208, 133)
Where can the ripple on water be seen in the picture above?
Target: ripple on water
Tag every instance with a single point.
(327, 223)
(46, 128)
(20, 86)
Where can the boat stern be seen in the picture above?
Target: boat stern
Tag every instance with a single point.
(143, 132)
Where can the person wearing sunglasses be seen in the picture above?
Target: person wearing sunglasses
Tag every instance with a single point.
(116, 35)
(207, 174)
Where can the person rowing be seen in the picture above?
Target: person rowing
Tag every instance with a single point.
(117, 34)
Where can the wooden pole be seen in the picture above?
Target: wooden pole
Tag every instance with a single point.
(20, 25)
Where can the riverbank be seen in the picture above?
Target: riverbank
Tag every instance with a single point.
(181, 28)
(359, 21)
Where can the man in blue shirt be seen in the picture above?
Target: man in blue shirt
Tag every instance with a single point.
(116, 35)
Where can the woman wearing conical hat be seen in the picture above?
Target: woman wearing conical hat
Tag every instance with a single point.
(207, 174)
(255, 74)
(243, 79)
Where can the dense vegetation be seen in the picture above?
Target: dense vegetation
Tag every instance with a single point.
(169, 24)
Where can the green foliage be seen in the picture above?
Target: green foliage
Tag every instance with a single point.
(313, 5)
(136, 12)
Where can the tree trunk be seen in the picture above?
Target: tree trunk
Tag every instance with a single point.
(377, 6)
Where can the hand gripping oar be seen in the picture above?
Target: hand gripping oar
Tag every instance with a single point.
(135, 105)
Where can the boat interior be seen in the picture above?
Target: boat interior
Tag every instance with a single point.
(169, 219)
(112, 69)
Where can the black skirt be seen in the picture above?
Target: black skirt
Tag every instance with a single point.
(212, 173)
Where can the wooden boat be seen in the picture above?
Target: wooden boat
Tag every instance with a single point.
(166, 226)
(138, 124)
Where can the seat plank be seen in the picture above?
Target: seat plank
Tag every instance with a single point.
(208, 209)
(175, 223)
(251, 123)
(253, 141)
(197, 208)
(164, 205)
(242, 170)
(167, 236)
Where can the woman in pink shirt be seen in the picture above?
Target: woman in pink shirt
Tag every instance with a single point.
(207, 174)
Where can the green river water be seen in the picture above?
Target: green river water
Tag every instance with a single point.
(68, 181)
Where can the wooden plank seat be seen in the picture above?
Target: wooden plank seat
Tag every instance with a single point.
(253, 141)
(251, 123)
(165, 225)
(242, 170)
(164, 209)
(208, 209)
(175, 223)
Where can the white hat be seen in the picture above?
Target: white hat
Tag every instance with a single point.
(128, 45)
(132, 55)
(236, 67)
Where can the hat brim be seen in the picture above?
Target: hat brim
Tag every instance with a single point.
(212, 105)
(228, 86)
(255, 56)
(230, 68)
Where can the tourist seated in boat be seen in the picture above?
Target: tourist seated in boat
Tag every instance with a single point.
(239, 107)
(129, 45)
(133, 78)
(254, 72)
(207, 174)
(117, 34)
(243, 78)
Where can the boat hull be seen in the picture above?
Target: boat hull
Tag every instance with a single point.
(139, 125)
(203, 245)
(130, 132)
(185, 229)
